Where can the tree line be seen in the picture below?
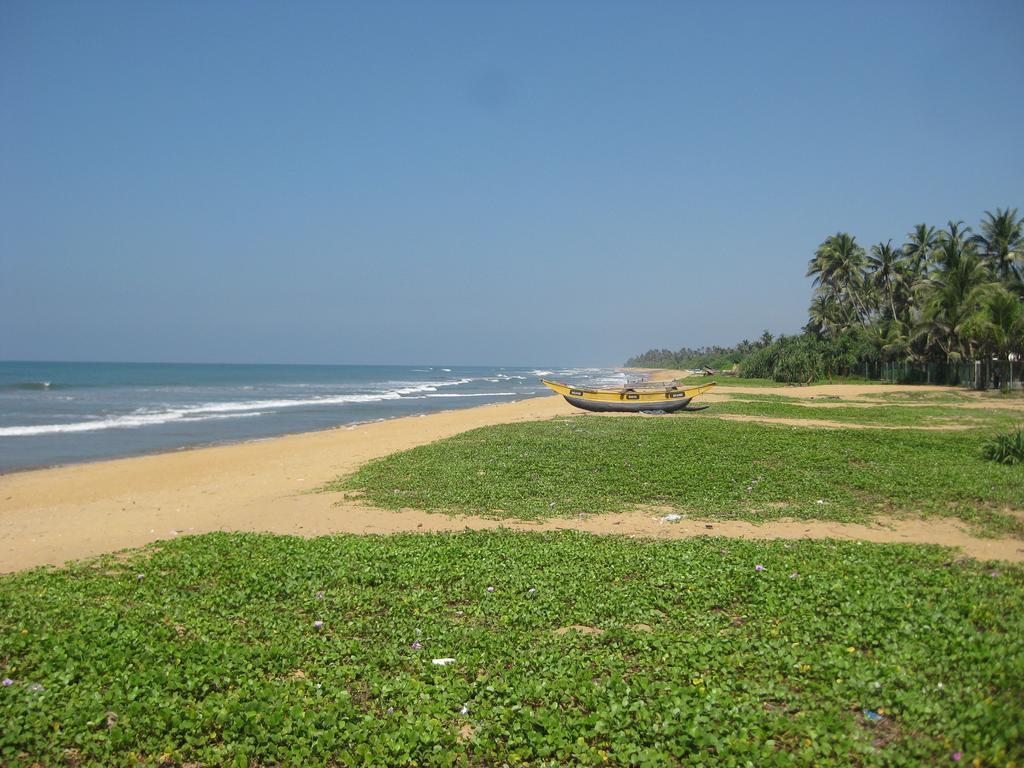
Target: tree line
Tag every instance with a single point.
(699, 357)
(927, 307)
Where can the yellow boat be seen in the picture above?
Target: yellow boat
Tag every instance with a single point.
(629, 399)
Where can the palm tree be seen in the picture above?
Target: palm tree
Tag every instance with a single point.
(920, 247)
(886, 272)
(954, 298)
(1001, 243)
(892, 342)
(951, 244)
(826, 316)
(1004, 325)
(838, 268)
(897, 342)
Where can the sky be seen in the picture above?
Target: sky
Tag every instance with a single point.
(536, 183)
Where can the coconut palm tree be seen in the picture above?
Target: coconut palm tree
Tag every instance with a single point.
(1001, 243)
(920, 247)
(887, 273)
(827, 316)
(897, 344)
(838, 268)
(1004, 325)
(954, 298)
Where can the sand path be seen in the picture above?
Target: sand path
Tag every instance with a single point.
(53, 515)
(827, 424)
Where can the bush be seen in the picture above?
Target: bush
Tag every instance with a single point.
(799, 359)
(1006, 448)
(790, 359)
(760, 364)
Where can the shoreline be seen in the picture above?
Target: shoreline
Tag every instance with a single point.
(226, 443)
(54, 515)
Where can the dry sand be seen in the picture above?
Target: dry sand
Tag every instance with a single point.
(50, 516)
(53, 515)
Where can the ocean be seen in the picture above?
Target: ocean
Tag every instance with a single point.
(64, 413)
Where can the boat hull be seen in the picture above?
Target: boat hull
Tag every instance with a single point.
(629, 399)
(628, 406)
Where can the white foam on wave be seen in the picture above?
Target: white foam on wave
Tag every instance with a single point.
(145, 417)
(115, 422)
(539, 372)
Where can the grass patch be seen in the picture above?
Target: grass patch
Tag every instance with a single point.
(686, 654)
(881, 415)
(911, 396)
(710, 467)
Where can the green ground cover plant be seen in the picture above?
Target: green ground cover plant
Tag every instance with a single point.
(709, 467)
(259, 650)
(881, 415)
(918, 396)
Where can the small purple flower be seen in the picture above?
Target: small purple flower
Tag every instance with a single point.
(957, 756)
(490, 589)
(7, 681)
(318, 624)
(320, 595)
(416, 645)
(759, 567)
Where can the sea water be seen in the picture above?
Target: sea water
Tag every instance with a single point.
(60, 413)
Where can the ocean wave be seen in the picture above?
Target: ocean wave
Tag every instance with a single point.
(144, 417)
(31, 385)
(115, 422)
(539, 372)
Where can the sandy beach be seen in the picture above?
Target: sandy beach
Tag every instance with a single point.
(50, 516)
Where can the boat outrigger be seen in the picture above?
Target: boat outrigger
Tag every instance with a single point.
(630, 399)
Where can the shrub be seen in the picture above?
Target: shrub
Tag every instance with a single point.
(790, 358)
(799, 359)
(1006, 448)
(760, 364)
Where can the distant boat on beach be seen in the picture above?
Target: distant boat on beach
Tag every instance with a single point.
(629, 399)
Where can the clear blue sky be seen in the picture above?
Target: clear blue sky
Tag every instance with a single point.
(478, 182)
